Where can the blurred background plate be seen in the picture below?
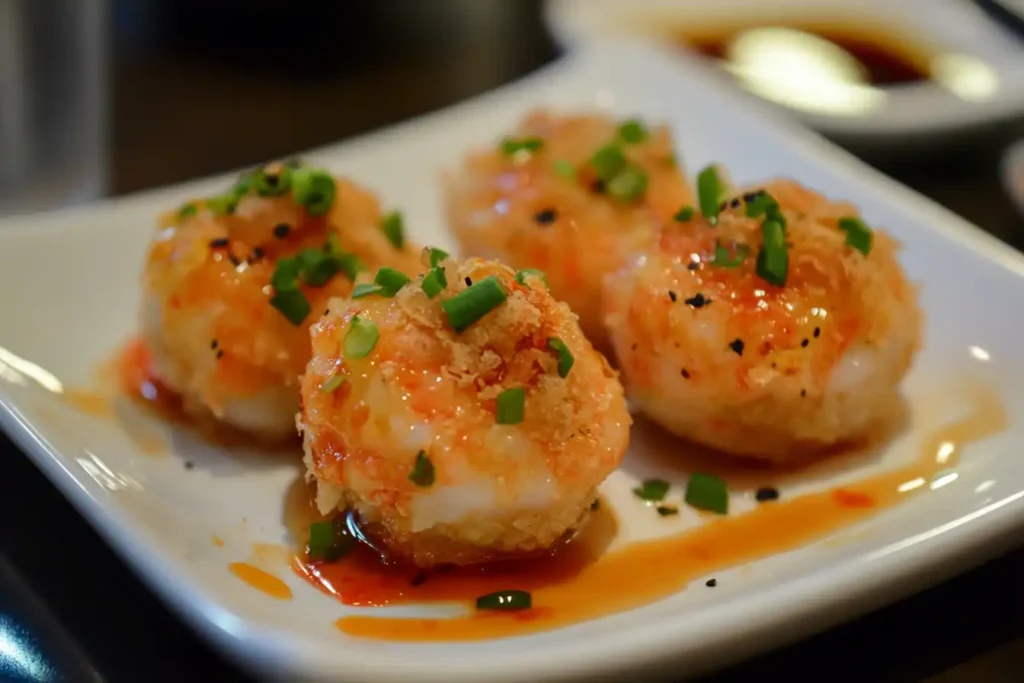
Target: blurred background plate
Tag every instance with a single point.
(920, 71)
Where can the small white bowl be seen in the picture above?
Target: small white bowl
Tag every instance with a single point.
(980, 62)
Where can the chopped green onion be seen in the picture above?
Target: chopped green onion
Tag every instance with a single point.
(565, 359)
(223, 204)
(709, 193)
(633, 132)
(329, 540)
(272, 184)
(313, 189)
(473, 303)
(394, 229)
(512, 146)
(286, 275)
(773, 259)
(434, 282)
(350, 265)
(362, 336)
(365, 289)
(858, 234)
(722, 259)
(531, 272)
(652, 490)
(390, 280)
(760, 205)
(684, 214)
(608, 161)
(505, 600)
(332, 383)
(333, 244)
(511, 405)
(242, 185)
(436, 256)
(629, 185)
(666, 510)
(293, 305)
(565, 169)
(317, 267)
(706, 492)
(422, 471)
(187, 211)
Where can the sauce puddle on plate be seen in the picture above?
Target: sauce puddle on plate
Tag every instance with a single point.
(581, 582)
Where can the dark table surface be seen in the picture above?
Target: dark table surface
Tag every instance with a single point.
(206, 86)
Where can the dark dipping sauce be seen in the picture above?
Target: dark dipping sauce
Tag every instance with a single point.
(886, 58)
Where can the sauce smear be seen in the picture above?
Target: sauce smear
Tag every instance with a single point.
(581, 582)
(262, 581)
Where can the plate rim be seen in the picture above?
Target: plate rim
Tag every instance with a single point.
(644, 647)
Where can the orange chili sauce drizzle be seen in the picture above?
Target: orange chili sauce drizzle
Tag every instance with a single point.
(578, 582)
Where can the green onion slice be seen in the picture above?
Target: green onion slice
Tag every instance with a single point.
(608, 161)
(332, 383)
(723, 259)
(531, 272)
(773, 258)
(390, 280)
(436, 256)
(629, 185)
(187, 211)
(361, 337)
(292, 304)
(858, 234)
(684, 214)
(505, 600)
(286, 275)
(434, 282)
(473, 303)
(512, 146)
(511, 406)
(565, 358)
(633, 132)
(222, 205)
(707, 492)
(313, 189)
(317, 267)
(422, 471)
(565, 169)
(393, 226)
(652, 489)
(272, 184)
(366, 289)
(329, 540)
(709, 193)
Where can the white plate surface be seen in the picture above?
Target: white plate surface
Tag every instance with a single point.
(923, 111)
(70, 284)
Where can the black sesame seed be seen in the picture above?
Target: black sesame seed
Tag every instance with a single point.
(419, 579)
(234, 260)
(220, 353)
(326, 311)
(697, 301)
(271, 179)
(684, 373)
(711, 583)
(817, 332)
(545, 217)
(598, 187)
(775, 365)
(257, 253)
(281, 230)
(805, 342)
(469, 281)
(751, 196)
(735, 203)
(766, 493)
(803, 392)
(737, 346)
(693, 265)
(219, 243)
(213, 344)
(189, 464)
(672, 295)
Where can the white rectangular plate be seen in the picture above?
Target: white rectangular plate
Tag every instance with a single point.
(70, 295)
